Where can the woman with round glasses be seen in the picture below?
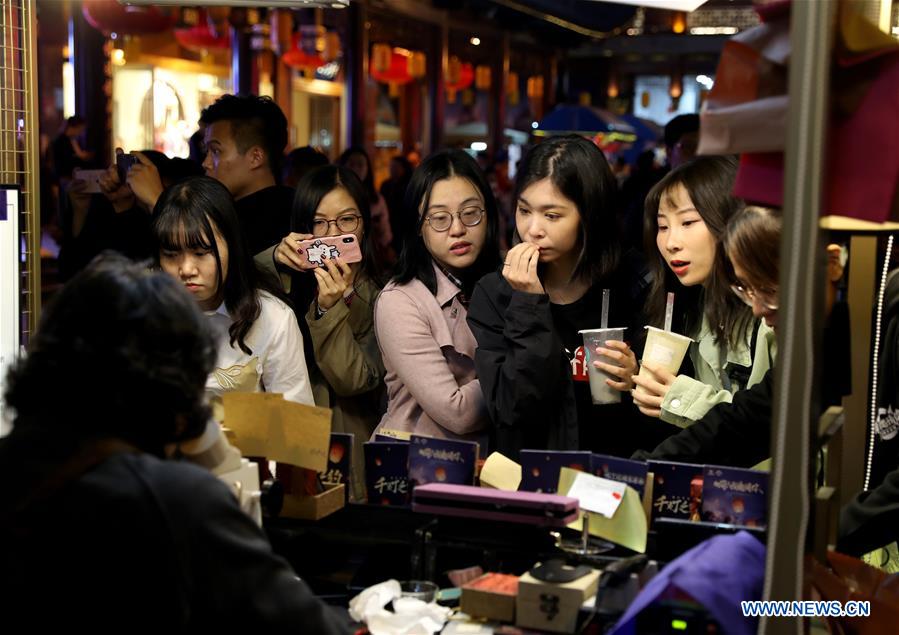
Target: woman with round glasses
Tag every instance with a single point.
(527, 316)
(686, 215)
(335, 304)
(427, 347)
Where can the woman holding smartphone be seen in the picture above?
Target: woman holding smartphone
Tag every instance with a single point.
(427, 346)
(527, 315)
(335, 302)
(259, 345)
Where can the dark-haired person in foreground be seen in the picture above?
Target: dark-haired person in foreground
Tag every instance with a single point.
(97, 528)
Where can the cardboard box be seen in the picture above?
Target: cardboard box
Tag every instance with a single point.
(553, 607)
(314, 507)
(491, 596)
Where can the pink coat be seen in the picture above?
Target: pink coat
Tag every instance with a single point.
(428, 352)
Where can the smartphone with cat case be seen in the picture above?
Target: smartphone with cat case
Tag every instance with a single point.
(316, 251)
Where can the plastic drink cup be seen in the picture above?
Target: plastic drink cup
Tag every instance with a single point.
(664, 348)
(600, 391)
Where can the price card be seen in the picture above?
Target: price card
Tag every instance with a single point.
(598, 495)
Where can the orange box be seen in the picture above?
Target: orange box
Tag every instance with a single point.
(492, 596)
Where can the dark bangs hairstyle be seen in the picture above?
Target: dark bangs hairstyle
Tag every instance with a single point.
(752, 240)
(579, 170)
(708, 181)
(127, 353)
(187, 216)
(311, 189)
(415, 262)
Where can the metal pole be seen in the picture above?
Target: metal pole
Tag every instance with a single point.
(801, 287)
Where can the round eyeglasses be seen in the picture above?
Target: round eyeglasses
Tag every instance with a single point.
(442, 221)
(346, 224)
(766, 297)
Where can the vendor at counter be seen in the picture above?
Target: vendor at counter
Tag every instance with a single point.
(97, 527)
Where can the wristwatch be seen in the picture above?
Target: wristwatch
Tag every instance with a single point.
(319, 312)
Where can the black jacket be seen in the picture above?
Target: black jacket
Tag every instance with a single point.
(885, 454)
(525, 369)
(872, 519)
(264, 217)
(736, 433)
(133, 543)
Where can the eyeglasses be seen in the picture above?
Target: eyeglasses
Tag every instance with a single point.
(345, 224)
(442, 221)
(766, 297)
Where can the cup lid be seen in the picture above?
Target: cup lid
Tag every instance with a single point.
(655, 328)
(608, 328)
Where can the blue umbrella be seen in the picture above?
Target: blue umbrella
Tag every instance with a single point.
(583, 120)
(648, 134)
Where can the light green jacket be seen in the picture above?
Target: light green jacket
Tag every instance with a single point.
(690, 398)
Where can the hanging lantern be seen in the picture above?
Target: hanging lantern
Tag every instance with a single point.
(380, 58)
(644, 99)
(418, 64)
(397, 73)
(535, 87)
(679, 24)
(512, 89)
(459, 76)
(468, 97)
(676, 87)
(612, 90)
(108, 16)
(482, 77)
(201, 38)
(301, 60)
(584, 98)
(453, 70)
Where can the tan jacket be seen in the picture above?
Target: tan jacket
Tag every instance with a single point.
(350, 374)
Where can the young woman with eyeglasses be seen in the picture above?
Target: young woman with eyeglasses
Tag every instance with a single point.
(335, 304)
(426, 344)
(686, 215)
(527, 315)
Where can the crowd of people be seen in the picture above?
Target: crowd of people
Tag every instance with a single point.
(440, 328)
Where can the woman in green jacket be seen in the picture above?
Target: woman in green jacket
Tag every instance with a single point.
(336, 305)
(685, 217)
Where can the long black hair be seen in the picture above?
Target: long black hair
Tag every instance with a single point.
(127, 353)
(415, 261)
(579, 170)
(708, 181)
(187, 216)
(311, 189)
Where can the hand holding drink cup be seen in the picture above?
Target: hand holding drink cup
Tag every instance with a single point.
(608, 380)
(652, 386)
(662, 356)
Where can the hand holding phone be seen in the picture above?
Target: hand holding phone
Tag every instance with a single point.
(316, 251)
(123, 163)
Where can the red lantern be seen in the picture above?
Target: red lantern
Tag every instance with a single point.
(201, 38)
(459, 77)
(396, 75)
(297, 58)
(108, 16)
